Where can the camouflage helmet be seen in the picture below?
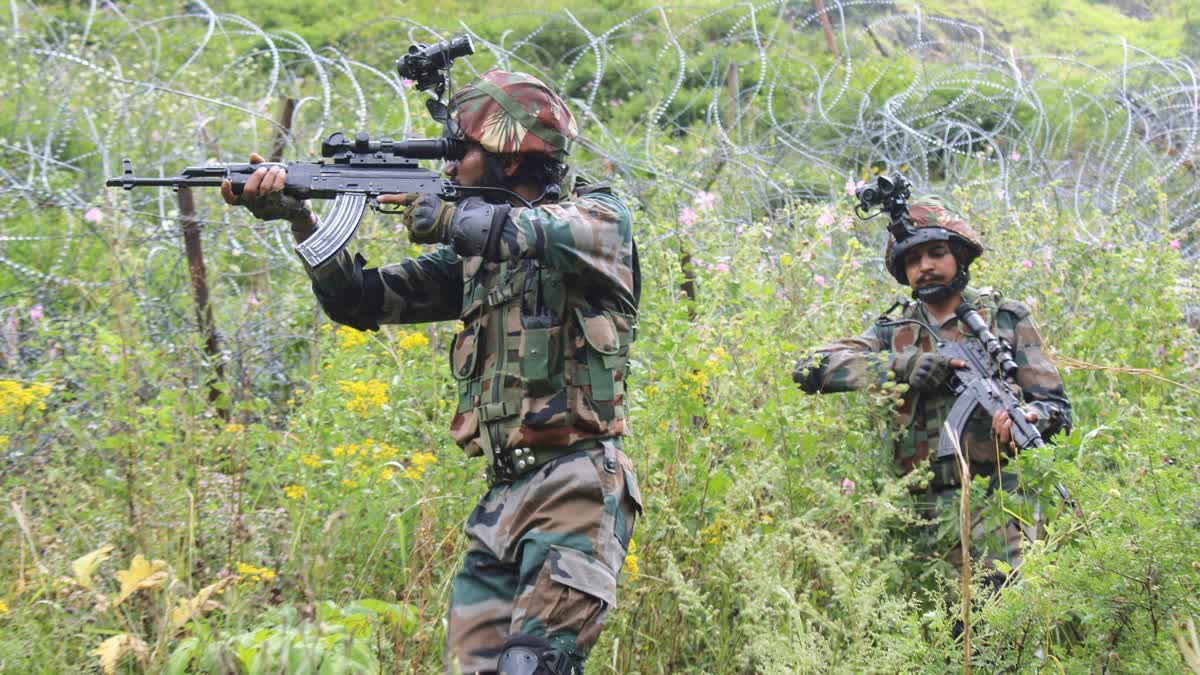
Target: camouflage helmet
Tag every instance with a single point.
(509, 113)
(934, 221)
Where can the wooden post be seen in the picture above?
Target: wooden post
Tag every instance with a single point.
(199, 278)
(828, 28)
(283, 132)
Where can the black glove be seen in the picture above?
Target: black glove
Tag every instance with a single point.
(428, 220)
(923, 371)
(277, 206)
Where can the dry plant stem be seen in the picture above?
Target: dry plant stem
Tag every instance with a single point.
(964, 538)
(1189, 644)
(1080, 364)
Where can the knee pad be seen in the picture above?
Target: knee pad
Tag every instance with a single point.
(530, 655)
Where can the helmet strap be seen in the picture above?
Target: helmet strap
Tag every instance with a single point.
(939, 293)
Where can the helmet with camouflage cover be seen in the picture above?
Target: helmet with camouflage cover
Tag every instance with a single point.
(933, 221)
(510, 113)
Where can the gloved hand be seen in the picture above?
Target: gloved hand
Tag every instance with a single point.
(428, 220)
(263, 195)
(925, 371)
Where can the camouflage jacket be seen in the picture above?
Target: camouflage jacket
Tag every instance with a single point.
(867, 361)
(543, 352)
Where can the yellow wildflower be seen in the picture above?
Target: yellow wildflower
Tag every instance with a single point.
(312, 461)
(349, 484)
(418, 463)
(252, 574)
(413, 341)
(234, 428)
(3, 608)
(384, 451)
(697, 383)
(349, 338)
(631, 561)
(295, 491)
(367, 396)
(386, 473)
(338, 451)
(712, 534)
(16, 398)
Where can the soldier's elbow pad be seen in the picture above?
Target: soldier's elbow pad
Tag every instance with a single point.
(809, 372)
(478, 229)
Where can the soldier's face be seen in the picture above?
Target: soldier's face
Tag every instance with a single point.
(478, 168)
(930, 264)
(470, 169)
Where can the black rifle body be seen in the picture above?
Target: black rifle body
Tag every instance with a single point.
(978, 386)
(360, 172)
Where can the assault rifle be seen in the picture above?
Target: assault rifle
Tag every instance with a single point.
(982, 383)
(361, 169)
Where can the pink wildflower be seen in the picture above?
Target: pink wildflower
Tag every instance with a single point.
(851, 186)
(407, 83)
(36, 314)
(93, 215)
(1015, 156)
(820, 280)
(721, 267)
(687, 216)
(848, 486)
(1175, 245)
(1027, 264)
(826, 218)
(704, 201)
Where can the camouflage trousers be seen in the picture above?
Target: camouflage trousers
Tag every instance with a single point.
(543, 558)
(995, 534)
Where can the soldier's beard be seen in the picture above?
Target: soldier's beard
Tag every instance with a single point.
(937, 293)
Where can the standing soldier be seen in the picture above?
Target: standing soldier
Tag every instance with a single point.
(935, 262)
(547, 292)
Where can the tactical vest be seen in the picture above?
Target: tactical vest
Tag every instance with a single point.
(540, 368)
(921, 415)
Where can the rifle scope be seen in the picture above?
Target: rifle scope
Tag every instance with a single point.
(337, 145)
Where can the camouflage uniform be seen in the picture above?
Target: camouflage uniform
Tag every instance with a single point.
(541, 363)
(871, 359)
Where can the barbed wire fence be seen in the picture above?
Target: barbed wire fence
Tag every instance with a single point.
(783, 100)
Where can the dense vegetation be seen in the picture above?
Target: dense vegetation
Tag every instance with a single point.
(316, 526)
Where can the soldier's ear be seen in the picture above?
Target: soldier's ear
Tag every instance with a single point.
(512, 164)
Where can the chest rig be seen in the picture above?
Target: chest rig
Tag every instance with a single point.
(540, 366)
(921, 415)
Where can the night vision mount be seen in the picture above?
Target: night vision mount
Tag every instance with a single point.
(428, 65)
(889, 194)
